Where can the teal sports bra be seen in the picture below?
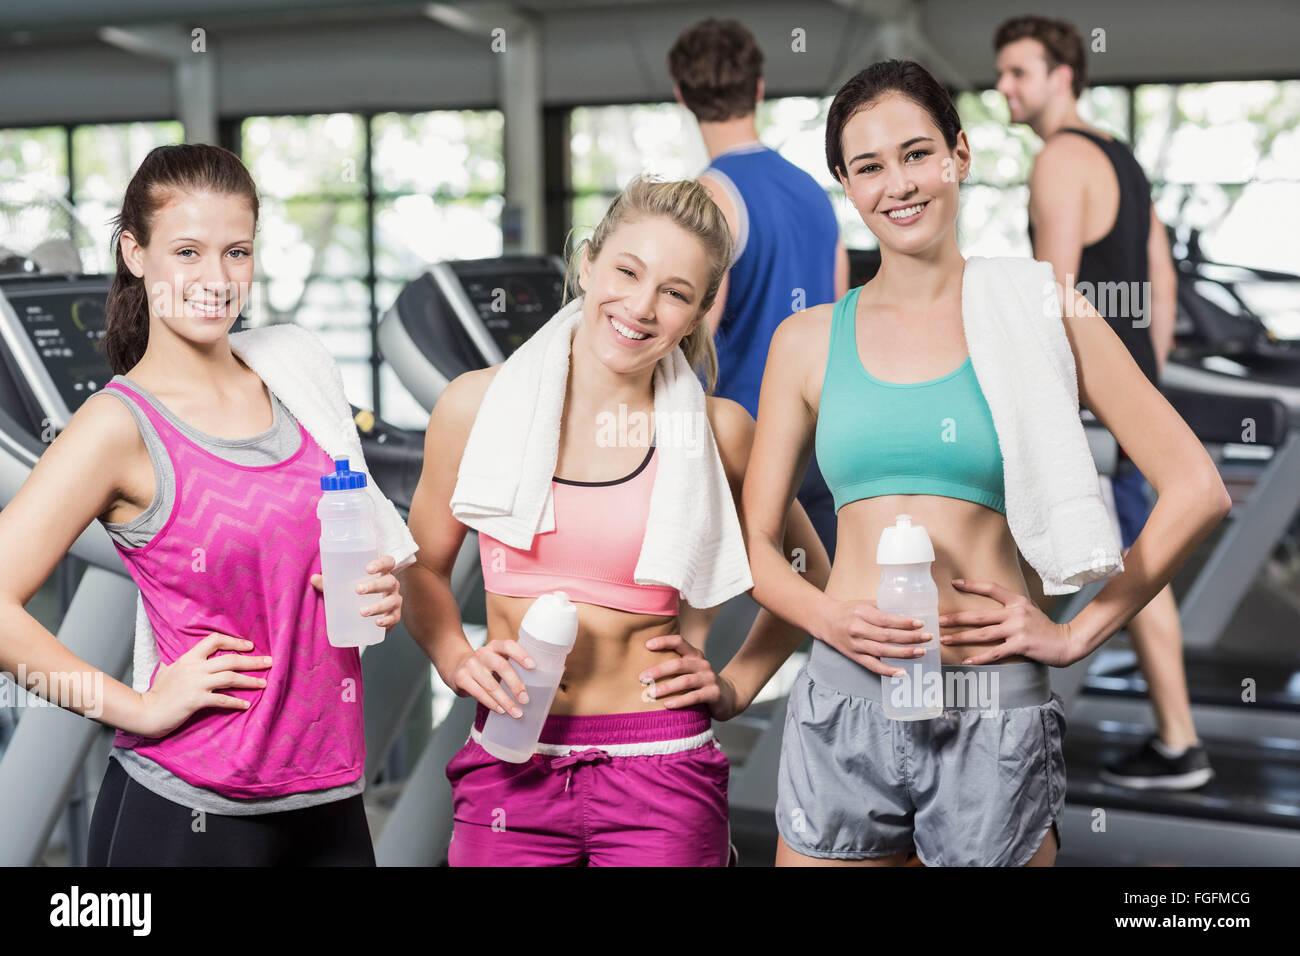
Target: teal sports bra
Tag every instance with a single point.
(920, 438)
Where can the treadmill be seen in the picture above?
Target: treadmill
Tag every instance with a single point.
(467, 314)
(1239, 606)
(49, 327)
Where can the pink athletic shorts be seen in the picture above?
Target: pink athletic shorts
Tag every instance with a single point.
(638, 789)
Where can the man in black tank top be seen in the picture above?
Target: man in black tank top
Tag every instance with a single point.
(1113, 271)
(1091, 217)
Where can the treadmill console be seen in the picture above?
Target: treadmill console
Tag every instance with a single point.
(467, 314)
(52, 327)
(513, 298)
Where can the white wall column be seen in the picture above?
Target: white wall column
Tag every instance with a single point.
(514, 37)
(194, 71)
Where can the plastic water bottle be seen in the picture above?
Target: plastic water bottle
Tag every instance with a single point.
(906, 587)
(546, 634)
(348, 543)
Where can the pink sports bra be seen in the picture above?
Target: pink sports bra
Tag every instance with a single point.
(592, 553)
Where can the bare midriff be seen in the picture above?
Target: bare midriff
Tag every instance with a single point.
(602, 672)
(970, 541)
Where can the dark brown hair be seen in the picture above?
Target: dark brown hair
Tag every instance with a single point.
(1062, 45)
(716, 65)
(905, 77)
(165, 171)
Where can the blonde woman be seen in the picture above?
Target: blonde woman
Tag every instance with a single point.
(624, 775)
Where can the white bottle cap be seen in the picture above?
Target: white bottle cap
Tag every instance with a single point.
(904, 543)
(552, 619)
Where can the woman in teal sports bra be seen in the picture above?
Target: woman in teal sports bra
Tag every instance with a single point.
(882, 382)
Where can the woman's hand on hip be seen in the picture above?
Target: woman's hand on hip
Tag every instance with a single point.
(387, 611)
(191, 683)
(1019, 627)
(695, 681)
(862, 632)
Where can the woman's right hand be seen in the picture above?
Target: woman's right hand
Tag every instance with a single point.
(474, 676)
(190, 684)
(862, 632)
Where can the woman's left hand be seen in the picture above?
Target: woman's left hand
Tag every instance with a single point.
(387, 611)
(1019, 626)
(697, 683)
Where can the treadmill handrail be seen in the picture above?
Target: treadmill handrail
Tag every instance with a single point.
(460, 303)
(1220, 422)
(1179, 375)
(1191, 264)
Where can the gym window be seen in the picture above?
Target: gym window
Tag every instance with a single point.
(1224, 159)
(353, 207)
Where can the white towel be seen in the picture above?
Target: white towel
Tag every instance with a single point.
(1024, 366)
(693, 540)
(299, 370)
(302, 373)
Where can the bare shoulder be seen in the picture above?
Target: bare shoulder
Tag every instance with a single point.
(733, 432)
(100, 445)
(802, 341)
(450, 425)
(1091, 340)
(802, 332)
(1079, 318)
(458, 405)
(728, 419)
(1065, 153)
(104, 421)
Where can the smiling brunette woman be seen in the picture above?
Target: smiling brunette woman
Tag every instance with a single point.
(186, 451)
(874, 379)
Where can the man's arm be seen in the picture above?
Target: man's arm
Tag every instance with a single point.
(1164, 290)
(1056, 208)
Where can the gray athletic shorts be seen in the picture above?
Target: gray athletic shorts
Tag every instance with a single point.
(978, 786)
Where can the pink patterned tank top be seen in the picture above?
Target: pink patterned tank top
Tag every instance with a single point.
(236, 556)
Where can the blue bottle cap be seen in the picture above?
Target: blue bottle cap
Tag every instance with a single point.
(341, 479)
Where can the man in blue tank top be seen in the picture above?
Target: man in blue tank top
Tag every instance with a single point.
(1091, 217)
(788, 252)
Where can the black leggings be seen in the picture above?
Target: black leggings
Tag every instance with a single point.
(133, 826)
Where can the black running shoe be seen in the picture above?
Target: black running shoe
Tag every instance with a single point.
(1148, 769)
